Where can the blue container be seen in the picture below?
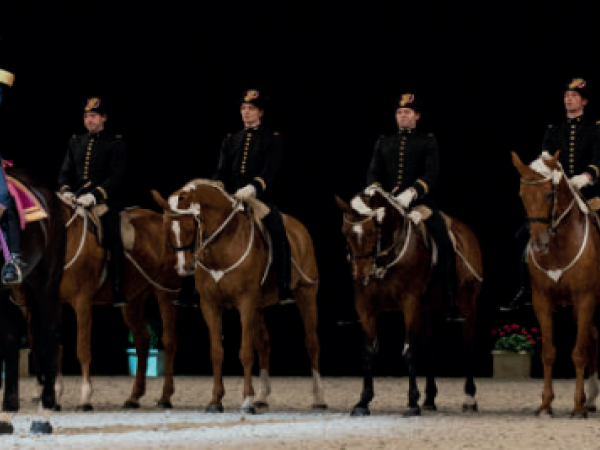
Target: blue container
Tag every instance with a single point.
(156, 362)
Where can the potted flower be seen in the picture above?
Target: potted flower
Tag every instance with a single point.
(513, 348)
(156, 357)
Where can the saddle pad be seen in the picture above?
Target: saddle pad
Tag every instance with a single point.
(29, 207)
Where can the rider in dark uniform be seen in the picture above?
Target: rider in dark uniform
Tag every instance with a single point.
(93, 173)
(407, 164)
(578, 139)
(248, 164)
(9, 216)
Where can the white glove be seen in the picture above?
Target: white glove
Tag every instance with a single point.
(370, 191)
(68, 196)
(580, 181)
(86, 200)
(246, 192)
(415, 216)
(406, 197)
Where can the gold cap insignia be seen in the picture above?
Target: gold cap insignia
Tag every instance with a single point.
(251, 95)
(92, 103)
(406, 99)
(577, 83)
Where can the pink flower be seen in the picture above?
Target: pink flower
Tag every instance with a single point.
(494, 332)
(502, 333)
(534, 330)
(539, 338)
(515, 326)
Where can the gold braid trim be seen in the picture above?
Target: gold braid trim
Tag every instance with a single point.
(262, 182)
(65, 188)
(6, 78)
(103, 192)
(422, 183)
(596, 169)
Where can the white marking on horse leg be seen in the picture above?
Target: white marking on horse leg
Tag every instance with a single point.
(470, 400)
(358, 230)
(180, 255)
(406, 347)
(86, 392)
(318, 393)
(6, 417)
(264, 388)
(58, 388)
(248, 402)
(592, 390)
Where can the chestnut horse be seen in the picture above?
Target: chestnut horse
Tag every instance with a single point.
(564, 261)
(394, 269)
(150, 269)
(42, 245)
(216, 239)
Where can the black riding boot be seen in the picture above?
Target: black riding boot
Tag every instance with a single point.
(282, 262)
(188, 296)
(12, 272)
(523, 295)
(116, 264)
(447, 260)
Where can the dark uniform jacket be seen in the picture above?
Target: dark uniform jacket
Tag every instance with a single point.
(250, 156)
(406, 159)
(578, 140)
(95, 163)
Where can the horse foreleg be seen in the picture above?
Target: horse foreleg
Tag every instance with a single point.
(263, 348)
(214, 321)
(370, 348)
(592, 387)
(543, 312)
(410, 357)
(584, 311)
(468, 329)
(247, 311)
(306, 300)
(58, 384)
(168, 314)
(133, 314)
(83, 311)
(10, 355)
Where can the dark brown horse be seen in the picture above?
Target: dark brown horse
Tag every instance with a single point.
(42, 245)
(150, 269)
(216, 239)
(564, 263)
(394, 270)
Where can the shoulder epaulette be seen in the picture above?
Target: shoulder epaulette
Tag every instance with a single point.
(550, 126)
(119, 136)
(275, 133)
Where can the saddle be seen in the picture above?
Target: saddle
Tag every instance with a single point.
(425, 213)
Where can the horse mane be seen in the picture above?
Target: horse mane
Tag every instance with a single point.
(192, 185)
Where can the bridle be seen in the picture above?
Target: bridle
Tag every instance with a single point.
(376, 252)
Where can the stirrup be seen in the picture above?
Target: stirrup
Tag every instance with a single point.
(6, 270)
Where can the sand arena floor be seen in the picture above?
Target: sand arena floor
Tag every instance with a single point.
(505, 420)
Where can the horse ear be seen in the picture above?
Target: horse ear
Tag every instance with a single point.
(343, 205)
(161, 201)
(517, 161)
(555, 157)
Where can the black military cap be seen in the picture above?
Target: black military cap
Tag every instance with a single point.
(580, 86)
(409, 100)
(94, 104)
(6, 65)
(255, 97)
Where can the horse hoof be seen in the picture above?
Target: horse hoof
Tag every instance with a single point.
(38, 427)
(320, 406)
(592, 409)
(57, 408)
(412, 412)
(360, 411)
(130, 404)
(164, 404)
(430, 407)
(261, 405)
(214, 409)
(6, 428)
(579, 415)
(544, 414)
(248, 410)
(466, 408)
(87, 407)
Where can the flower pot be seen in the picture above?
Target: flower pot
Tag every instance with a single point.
(156, 362)
(510, 365)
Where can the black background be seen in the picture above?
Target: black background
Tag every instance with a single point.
(491, 78)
